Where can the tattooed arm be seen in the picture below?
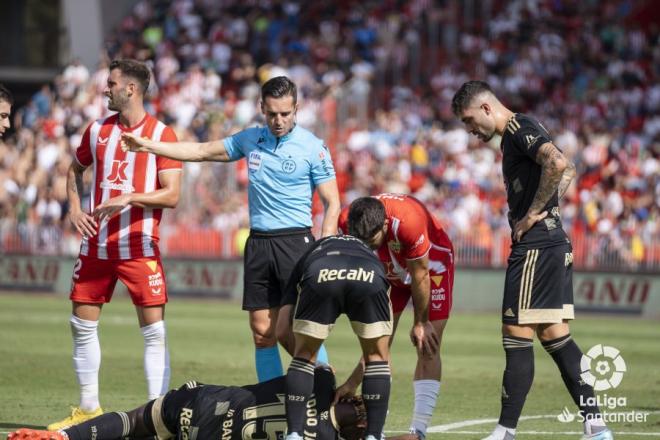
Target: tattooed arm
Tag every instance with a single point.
(566, 179)
(553, 164)
(84, 223)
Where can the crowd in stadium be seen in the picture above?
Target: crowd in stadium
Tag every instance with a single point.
(586, 69)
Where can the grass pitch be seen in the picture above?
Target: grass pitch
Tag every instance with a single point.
(210, 342)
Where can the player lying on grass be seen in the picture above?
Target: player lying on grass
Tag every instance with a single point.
(223, 412)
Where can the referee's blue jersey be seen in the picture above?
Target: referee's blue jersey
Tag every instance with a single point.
(283, 173)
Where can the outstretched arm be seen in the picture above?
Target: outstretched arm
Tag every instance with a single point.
(213, 151)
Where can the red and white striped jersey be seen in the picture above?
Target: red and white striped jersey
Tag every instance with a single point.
(133, 233)
(411, 234)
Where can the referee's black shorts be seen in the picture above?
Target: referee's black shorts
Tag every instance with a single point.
(336, 284)
(269, 260)
(538, 288)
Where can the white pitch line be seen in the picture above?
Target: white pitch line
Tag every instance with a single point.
(475, 422)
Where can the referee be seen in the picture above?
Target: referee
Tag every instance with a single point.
(286, 163)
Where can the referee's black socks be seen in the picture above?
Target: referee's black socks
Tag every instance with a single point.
(299, 386)
(517, 379)
(376, 394)
(567, 355)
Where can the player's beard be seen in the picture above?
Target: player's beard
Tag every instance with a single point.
(118, 101)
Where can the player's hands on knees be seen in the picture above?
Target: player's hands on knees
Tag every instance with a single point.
(83, 222)
(347, 389)
(525, 224)
(425, 339)
(131, 142)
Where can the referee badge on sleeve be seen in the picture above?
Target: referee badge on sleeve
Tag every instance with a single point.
(254, 161)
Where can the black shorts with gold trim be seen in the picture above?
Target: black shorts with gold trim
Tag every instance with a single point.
(350, 284)
(538, 288)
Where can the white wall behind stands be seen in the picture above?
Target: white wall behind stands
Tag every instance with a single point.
(87, 22)
(474, 289)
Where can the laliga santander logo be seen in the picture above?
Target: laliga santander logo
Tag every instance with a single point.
(602, 367)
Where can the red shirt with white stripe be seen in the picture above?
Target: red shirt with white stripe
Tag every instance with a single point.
(132, 233)
(412, 232)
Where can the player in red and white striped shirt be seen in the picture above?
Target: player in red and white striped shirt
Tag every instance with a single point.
(120, 236)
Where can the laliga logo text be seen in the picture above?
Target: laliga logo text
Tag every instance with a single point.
(603, 367)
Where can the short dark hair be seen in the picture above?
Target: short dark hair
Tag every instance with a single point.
(279, 87)
(134, 69)
(366, 217)
(5, 95)
(466, 94)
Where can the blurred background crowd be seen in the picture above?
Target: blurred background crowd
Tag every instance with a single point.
(375, 81)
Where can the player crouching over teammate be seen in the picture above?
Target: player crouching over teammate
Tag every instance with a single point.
(223, 412)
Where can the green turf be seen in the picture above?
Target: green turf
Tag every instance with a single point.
(210, 342)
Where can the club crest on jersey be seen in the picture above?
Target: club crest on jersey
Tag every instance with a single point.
(117, 178)
(289, 166)
(394, 245)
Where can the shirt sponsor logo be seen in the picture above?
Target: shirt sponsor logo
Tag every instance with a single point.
(184, 422)
(117, 178)
(531, 140)
(359, 274)
(254, 161)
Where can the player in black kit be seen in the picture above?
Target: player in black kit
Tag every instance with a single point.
(538, 291)
(196, 411)
(339, 274)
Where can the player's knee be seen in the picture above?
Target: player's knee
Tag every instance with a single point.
(154, 333)
(264, 340)
(550, 332)
(519, 331)
(82, 329)
(263, 332)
